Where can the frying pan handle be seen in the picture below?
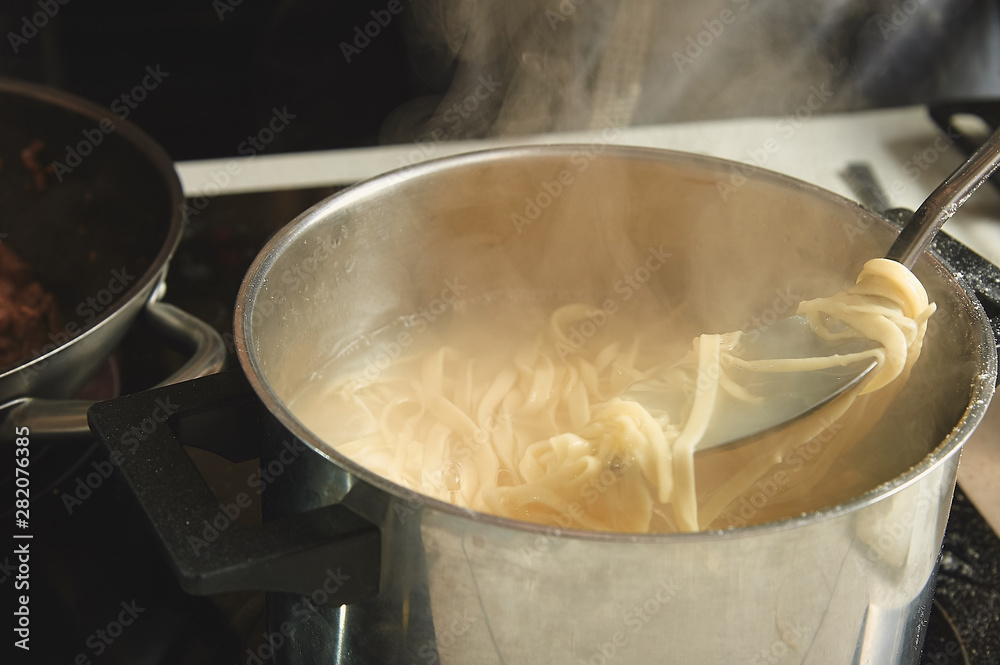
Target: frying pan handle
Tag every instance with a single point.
(67, 419)
(328, 548)
(206, 347)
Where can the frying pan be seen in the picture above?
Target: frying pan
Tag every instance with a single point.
(93, 204)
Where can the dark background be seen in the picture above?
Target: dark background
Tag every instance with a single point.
(225, 75)
(230, 64)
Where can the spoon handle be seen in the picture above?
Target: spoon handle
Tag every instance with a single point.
(944, 201)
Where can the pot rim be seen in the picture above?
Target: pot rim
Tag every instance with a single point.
(158, 159)
(982, 388)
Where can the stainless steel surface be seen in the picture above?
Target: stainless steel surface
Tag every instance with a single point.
(67, 419)
(842, 583)
(64, 369)
(785, 397)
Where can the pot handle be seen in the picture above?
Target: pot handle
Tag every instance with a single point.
(328, 548)
(67, 419)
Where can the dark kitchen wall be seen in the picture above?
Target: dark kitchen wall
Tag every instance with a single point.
(221, 67)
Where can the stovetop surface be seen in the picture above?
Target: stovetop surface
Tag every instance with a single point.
(98, 563)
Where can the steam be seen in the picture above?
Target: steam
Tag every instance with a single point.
(566, 65)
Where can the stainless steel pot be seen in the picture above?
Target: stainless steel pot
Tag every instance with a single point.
(842, 583)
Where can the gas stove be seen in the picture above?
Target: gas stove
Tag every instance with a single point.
(106, 595)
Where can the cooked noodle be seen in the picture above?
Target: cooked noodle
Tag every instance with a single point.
(542, 432)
